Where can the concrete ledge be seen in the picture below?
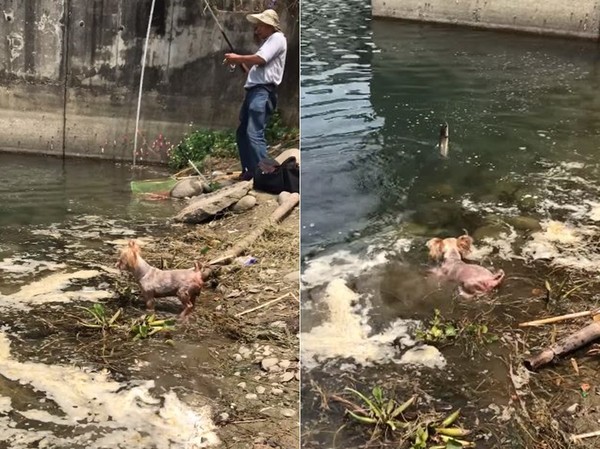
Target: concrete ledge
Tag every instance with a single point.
(552, 17)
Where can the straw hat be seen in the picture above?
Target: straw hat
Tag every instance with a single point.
(268, 17)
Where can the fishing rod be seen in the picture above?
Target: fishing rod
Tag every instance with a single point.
(244, 68)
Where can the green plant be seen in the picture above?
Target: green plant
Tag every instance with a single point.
(200, 144)
(437, 330)
(98, 317)
(385, 416)
(148, 325)
(277, 131)
(382, 413)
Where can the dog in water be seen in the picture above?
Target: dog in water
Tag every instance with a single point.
(473, 280)
(156, 283)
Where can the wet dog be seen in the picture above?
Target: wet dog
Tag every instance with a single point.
(473, 280)
(156, 283)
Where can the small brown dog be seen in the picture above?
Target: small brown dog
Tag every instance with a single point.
(156, 283)
(474, 280)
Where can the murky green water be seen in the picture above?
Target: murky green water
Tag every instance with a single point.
(60, 226)
(522, 177)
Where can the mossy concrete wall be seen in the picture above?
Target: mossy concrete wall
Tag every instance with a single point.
(553, 17)
(70, 70)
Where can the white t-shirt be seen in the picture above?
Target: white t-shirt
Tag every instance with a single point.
(273, 51)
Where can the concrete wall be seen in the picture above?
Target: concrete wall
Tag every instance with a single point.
(558, 17)
(70, 69)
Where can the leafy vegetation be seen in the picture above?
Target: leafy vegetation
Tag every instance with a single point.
(385, 417)
(148, 325)
(222, 144)
(439, 331)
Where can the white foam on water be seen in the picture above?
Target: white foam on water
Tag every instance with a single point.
(50, 289)
(118, 415)
(425, 355)
(21, 266)
(501, 245)
(346, 333)
(341, 264)
(564, 245)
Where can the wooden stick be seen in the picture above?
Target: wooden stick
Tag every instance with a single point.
(266, 304)
(581, 436)
(574, 341)
(555, 319)
(278, 214)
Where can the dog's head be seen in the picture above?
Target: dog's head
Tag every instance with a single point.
(128, 256)
(443, 248)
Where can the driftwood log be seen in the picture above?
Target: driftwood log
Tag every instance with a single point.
(574, 341)
(278, 214)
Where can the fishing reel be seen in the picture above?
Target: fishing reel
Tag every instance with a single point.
(231, 66)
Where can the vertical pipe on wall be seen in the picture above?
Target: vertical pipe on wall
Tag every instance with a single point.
(65, 63)
(137, 118)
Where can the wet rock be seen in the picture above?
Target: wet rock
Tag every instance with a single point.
(489, 231)
(209, 205)
(266, 364)
(505, 190)
(260, 389)
(286, 377)
(523, 223)
(415, 229)
(527, 199)
(244, 204)
(436, 214)
(188, 187)
(440, 191)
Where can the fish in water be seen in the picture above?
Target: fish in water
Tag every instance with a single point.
(443, 144)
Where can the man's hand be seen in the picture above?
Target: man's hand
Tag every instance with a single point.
(232, 58)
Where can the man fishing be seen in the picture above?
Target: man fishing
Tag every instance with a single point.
(265, 74)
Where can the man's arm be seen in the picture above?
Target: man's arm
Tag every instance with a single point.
(233, 58)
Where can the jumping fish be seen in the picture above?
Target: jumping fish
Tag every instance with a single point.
(443, 144)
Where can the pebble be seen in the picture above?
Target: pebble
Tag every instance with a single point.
(238, 357)
(245, 203)
(286, 377)
(285, 364)
(288, 412)
(266, 364)
(251, 396)
(242, 385)
(260, 389)
(291, 277)
(276, 391)
(573, 408)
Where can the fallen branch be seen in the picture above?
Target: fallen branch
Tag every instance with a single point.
(278, 214)
(555, 319)
(266, 304)
(581, 436)
(574, 341)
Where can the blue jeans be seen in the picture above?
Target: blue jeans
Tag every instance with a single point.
(258, 106)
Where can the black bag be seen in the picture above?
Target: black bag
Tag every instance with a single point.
(272, 177)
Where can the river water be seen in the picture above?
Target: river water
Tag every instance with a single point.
(521, 177)
(60, 226)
